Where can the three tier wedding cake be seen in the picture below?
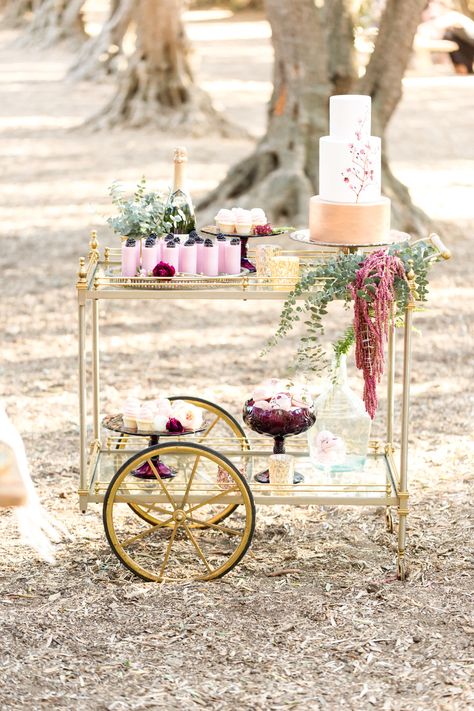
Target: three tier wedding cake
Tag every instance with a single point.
(349, 208)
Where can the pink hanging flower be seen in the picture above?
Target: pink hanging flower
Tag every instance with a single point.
(373, 292)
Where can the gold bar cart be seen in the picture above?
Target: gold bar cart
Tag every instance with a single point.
(199, 524)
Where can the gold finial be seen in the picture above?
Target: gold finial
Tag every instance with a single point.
(411, 276)
(107, 254)
(82, 269)
(82, 274)
(180, 154)
(96, 283)
(93, 244)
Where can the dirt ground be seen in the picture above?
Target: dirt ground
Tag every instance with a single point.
(341, 631)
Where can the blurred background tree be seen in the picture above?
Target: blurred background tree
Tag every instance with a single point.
(314, 58)
(48, 21)
(157, 85)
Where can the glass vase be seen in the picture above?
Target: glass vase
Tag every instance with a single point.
(339, 439)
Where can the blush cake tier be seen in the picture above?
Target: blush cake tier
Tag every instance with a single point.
(345, 223)
(349, 208)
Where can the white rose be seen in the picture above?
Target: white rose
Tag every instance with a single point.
(159, 422)
(189, 415)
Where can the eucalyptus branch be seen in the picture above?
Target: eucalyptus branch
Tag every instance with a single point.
(327, 282)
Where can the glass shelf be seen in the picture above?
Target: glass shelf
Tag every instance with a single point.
(375, 485)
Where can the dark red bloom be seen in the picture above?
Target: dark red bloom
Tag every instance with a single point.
(174, 425)
(263, 230)
(163, 269)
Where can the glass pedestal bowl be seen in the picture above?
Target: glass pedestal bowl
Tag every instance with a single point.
(278, 424)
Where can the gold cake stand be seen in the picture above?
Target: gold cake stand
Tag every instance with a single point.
(394, 237)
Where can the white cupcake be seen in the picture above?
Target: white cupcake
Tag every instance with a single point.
(145, 419)
(225, 221)
(258, 217)
(162, 406)
(243, 222)
(131, 409)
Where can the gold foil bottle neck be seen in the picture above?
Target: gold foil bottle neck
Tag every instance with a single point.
(180, 154)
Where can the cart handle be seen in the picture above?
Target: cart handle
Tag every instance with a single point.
(439, 245)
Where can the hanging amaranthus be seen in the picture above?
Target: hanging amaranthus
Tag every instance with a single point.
(373, 292)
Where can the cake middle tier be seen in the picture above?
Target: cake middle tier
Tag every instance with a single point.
(349, 171)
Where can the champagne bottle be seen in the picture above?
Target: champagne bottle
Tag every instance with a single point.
(180, 210)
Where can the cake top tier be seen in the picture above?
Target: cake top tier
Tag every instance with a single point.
(349, 117)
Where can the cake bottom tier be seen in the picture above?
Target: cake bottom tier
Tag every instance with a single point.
(348, 223)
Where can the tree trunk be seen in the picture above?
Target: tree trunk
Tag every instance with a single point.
(342, 64)
(158, 88)
(383, 81)
(314, 58)
(283, 170)
(98, 53)
(56, 20)
(15, 12)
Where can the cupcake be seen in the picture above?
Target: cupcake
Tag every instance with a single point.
(162, 406)
(145, 419)
(225, 221)
(131, 410)
(258, 217)
(243, 221)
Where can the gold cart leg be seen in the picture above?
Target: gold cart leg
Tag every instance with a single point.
(95, 367)
(82, 407)
(403, 491)
(390, 412)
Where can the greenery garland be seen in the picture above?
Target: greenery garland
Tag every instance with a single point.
(143, 212)
(329, 281)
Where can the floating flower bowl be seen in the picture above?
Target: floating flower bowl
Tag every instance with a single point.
(278, 423)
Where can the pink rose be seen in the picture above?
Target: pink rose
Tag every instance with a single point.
(262, 404)
(163, 269)
(281, 402)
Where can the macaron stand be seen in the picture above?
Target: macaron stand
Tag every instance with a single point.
(199, 523)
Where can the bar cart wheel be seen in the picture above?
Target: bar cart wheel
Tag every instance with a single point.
(182, 542)
(222, 423)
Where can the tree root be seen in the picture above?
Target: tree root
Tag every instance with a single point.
(406, 216)
(184, 109)
(53, 23)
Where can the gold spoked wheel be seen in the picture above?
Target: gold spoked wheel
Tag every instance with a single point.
(225, 432)
(181, 543)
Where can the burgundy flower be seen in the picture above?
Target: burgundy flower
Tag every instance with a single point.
(173, 425)
(263, 230)
(346, 180)
(163, 269)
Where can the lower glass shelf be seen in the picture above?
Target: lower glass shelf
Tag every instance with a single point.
(374, 485)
